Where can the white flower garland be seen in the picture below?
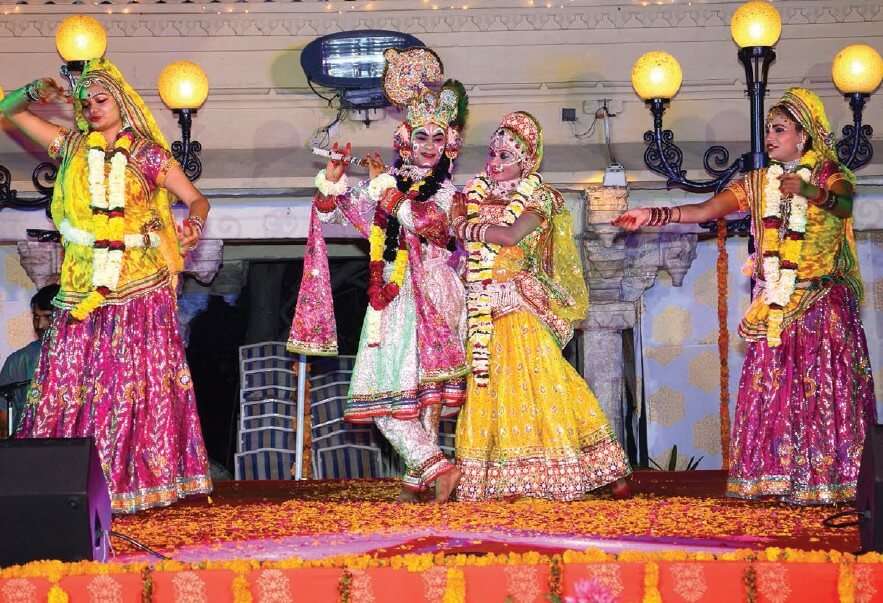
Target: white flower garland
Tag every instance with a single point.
(480, 265)
(107, 263)
(97, 190)
(779, 282)
(328, 188)
(378, 186)
(75, 235)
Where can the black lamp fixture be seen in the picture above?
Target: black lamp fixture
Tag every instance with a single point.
(183, 87)
(756, 25)
(352, 63)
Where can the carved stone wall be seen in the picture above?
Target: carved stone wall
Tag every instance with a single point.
(619, 268)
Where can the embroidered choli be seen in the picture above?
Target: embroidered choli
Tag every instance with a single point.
(530, 275)
(144, 267)
(828, 255)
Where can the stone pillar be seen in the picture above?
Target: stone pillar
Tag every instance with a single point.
(203, 262)
(619, 267)
(41, 261)
(601, 334)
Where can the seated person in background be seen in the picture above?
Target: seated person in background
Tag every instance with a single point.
(20, 365)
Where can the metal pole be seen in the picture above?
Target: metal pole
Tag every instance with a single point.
(301, 399)
(756, 60)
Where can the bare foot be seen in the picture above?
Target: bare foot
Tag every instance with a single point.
(621, 489)
(446, 484)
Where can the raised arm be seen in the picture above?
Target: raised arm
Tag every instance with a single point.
(720, 205)
(15, 107)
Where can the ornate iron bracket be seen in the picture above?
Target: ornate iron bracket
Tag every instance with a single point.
(7, 195)
(855, 150)
(185, 151)
(44, 172)
(664, 157)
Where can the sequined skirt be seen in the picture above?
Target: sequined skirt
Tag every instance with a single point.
(803, 408)
(121, 377)
(537, 429)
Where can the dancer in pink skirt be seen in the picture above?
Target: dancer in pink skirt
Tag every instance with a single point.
(113, 367)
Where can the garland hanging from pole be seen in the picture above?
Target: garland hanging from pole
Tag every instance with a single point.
(723, 339)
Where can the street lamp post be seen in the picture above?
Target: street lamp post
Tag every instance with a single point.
(755, 27)
(183, 87)
(656, 77)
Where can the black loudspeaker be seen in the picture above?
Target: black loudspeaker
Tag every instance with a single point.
(869, 491)
(54, 502)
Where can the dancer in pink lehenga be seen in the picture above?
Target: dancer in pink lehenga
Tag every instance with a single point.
(113, 367)
(806, 395)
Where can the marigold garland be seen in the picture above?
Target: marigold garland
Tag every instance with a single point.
(651, 583)
(455, 586)
(455, 589)
(723, 338)
(555, 574)
(749, 579)
(108, 202)
(782, 242)
(343, 588)
(241, 589)
(846, 582)
(380, 294)
(479, 266)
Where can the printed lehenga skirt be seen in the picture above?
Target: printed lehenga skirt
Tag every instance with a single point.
(121, 377)
(803, 408)
(536, 430)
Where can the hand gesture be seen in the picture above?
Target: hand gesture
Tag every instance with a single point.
(336, 168)
(49, 90)
(375, 164)
(633, 219)
(792, 184)
(458, 207)
(188, 237)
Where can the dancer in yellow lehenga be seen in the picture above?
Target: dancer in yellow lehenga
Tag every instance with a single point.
(531, 425)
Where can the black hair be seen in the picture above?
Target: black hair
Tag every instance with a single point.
(43, 298)
(440, 173)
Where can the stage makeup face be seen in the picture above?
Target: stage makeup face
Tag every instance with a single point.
(504, 157)
(100, 109)
(427, 145)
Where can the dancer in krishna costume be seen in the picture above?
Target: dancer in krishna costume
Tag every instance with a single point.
(806, 395)
(410, 362)
(113, 367)
(531, 425)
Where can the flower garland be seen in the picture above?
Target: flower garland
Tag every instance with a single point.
(382, 239)
(108, 203)
(456, 585)
(782, 244)
(723, 338)
(651, 583)
(479, 266)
